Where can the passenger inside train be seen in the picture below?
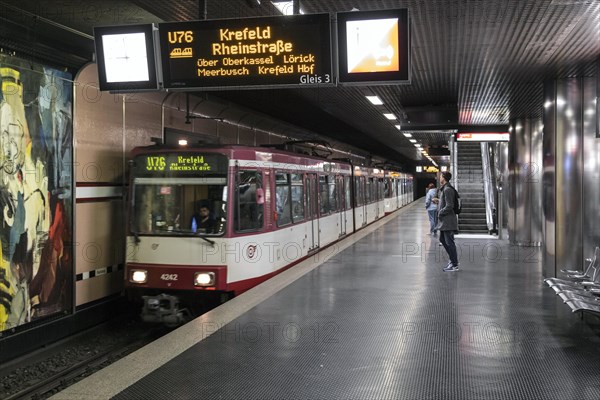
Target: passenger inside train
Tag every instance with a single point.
(202, 222)
(249, 202)
(166, 207)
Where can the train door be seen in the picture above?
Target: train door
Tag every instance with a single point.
(341, 195)
(380, 198)
(312, 205)
(403, 191)
(397, 204)
(364, 188)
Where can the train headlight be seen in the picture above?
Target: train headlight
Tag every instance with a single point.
(138, 276)
(204, 279)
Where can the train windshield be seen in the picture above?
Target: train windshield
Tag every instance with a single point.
(179, 206)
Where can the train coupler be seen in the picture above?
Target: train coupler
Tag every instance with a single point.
(163, 308)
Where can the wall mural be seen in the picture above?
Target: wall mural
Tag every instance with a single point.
(36, 269)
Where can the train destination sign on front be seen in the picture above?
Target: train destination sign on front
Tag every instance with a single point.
(252, 52)
(180, 164)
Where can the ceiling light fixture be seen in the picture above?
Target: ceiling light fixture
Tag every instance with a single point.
(390, 116)
(375, 100)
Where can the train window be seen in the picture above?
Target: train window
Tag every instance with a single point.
(248, 211)
(369, 191)
(347, 193)
(358, 191)
(282, 199)
(375, 190)
(333, 203)
(323, 195)
(289, 191)
(297, 197)
(341, 198)
(389, 187)
(169, 206)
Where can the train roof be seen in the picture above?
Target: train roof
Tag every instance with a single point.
(236, 150)
(262, 153)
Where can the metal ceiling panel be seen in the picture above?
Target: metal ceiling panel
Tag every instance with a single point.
(475, 63)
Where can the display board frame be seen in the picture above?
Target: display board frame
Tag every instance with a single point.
(386, 65)
(250, 39)
(108, 83)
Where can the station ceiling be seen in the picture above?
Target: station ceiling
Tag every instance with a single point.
(476, 64)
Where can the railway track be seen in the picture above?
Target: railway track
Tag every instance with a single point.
(41, 377)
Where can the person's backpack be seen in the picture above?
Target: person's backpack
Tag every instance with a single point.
(457, 203)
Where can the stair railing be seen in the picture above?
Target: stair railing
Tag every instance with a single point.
(489, 184)
(453, 145)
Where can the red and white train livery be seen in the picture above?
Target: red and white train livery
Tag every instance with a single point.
(224, 219)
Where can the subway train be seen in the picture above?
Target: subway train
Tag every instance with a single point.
(218, 220)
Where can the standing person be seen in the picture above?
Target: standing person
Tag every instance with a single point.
(447, 221)
(432, 208)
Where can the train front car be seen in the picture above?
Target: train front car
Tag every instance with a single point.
(177, 221)
(219, 221)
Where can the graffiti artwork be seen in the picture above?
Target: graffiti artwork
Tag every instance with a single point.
(36, 207)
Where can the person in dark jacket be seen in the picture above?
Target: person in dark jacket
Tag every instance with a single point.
(447, 220)
(202, 222)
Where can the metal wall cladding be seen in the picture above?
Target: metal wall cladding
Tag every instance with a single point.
(525, 182)
(549, 181)
(591, 166)
(571, 173)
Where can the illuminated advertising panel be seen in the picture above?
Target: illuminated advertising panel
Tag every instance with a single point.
(126, 58)
(374, 47)
(290, 50)
(483, 137)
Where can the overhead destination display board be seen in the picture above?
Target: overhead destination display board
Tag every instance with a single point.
(430, 169)
(374, 47)
(483, 137)
(290, 50)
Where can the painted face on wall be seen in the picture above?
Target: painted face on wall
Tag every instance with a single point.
(12, 140)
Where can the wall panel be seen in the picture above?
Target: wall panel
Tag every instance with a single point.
(549, 180)
(525, 186)
(569, 174)
(591, 169)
